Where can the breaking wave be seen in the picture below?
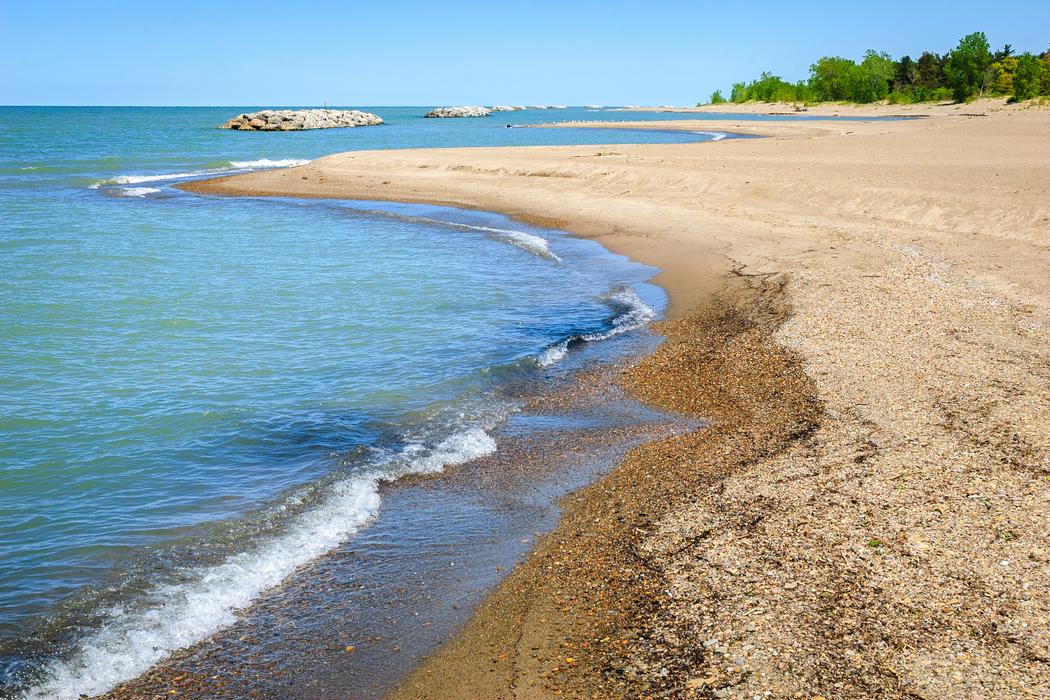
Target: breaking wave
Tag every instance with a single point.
(138, 191)
(233, 167)
(268, 163)
(178, 615)
(631, 313)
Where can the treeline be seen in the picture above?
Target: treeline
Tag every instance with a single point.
(969, 70)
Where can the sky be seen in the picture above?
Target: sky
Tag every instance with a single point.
(410, 52)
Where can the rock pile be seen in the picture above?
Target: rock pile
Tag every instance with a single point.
(452, 112)
(505, 108)
(298, 119)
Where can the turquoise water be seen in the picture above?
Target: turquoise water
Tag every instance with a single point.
(198, 395)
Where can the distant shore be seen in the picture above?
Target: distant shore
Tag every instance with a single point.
(863, 309)
(849, 109)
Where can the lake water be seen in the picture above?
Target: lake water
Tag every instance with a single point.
(199, 395)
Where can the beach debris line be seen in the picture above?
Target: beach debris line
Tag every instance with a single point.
(301, 119)
(456, 112)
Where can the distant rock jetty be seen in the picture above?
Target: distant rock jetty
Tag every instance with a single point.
(299, 119)
(456, 112)
(506, 108)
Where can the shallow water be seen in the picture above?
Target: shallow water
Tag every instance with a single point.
(199, 395)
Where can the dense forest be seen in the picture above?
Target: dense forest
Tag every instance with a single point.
(969, 70)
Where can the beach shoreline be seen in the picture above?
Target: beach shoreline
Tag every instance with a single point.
(862, 309)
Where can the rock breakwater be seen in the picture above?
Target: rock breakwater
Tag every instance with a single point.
(300, 119)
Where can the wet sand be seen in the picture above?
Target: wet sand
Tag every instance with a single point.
(861, 308)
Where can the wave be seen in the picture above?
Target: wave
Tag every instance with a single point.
(267, 163)
(526, 241)
(234, 166)
(181, 614)
(631, 313)
(715, 135)
(139, 179)
(537, 245)
(138, 191)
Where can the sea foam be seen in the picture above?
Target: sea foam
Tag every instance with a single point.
(268, 163)
(181, 614)
(537, 245)
(532, 243)
(631, 313)
(138, 191)
(234, 166)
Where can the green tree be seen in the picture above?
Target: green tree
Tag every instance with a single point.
(831, 78)
(739, 93)
(967, 66)
(717, 99)
(1027, 78)
(930, 69)
(905, 73)
(874, 78)
(1003, 72)
(1044, 82)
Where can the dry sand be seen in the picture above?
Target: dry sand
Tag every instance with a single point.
(862, 309)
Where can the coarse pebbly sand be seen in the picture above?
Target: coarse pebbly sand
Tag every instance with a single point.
(862, 309)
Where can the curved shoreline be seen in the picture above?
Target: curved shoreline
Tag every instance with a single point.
(627, 311)
(790, 547)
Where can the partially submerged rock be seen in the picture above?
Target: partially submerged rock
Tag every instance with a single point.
(454, 112)
(299, 119)
(506, 108)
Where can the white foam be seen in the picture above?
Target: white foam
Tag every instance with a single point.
(268, 163)
(459, 448)
(138, 191)
(715, 135)
(633, 313)
(139, 179)
(235, 165)
(136, 179)
(553, 354)
(526, 241)
(184, 613)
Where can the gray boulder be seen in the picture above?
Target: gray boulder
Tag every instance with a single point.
(301, 119)
(456, 112)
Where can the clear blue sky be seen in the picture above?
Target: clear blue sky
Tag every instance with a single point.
(495, 52)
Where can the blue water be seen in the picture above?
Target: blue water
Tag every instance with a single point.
(199, 394)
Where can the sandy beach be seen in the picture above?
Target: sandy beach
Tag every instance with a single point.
(861, 309)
